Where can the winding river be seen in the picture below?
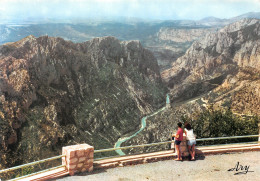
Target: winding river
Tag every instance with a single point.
(143, 125)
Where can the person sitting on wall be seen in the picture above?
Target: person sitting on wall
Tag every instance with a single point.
(178, 138)
(191, 140)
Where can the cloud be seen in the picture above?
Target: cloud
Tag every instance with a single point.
(148, 9)
(130, 1)
(219, 1)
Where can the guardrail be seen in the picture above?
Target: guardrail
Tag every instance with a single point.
(26, 176)
(167, 142)
(31, 164)
(113, 149)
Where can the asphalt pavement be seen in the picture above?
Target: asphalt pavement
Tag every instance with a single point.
(233, 166)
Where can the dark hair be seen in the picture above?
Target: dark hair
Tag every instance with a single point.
(179, 124)
(187, 126)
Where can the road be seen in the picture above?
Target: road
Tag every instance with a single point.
(209, 168)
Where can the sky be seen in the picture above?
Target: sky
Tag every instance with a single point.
(143, 9)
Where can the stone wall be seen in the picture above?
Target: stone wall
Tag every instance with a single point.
(79, 158)
(183, 147)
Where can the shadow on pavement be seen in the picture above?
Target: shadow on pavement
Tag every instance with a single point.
(198, 156)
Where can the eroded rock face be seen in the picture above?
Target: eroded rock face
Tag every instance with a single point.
(183, 35)
(170, 43)
(54, 93)
(240, 92)
(209, 61)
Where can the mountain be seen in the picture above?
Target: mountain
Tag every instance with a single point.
(215, 83)
(159, 37)
(254, 15)
(224, 65)
(168, 40)
(210, 18)
(214, 22)
(170, 43)
(69, 92)
(65, 93)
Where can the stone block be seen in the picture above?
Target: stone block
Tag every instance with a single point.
(90, 161)
(76, 158)
(185, 154)
(183, 143)
(90, 169)
(86, 162)
(184, 147)
(82, 159)
(73, 160)
(83, 169)
(72, 153)
(91, 154)
(72, 167)
(79, 165)
(80, 153)
(86, 166)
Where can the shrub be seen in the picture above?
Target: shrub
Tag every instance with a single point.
(223, 123)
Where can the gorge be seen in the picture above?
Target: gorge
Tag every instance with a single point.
(97, 91)
(64, 93)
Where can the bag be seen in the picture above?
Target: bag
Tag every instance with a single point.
(173, 144)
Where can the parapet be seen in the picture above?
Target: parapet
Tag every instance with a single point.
(79, 158)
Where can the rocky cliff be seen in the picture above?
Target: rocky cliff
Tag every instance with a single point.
(219, 73)
(55, 93)
(182, 35)
(170, 43)
(230, 58)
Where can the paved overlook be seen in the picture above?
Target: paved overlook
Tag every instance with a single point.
(212, 167)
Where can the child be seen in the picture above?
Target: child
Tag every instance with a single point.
(178, 139)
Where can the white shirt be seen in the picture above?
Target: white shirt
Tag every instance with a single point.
(189, 134)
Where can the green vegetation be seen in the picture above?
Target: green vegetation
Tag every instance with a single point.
(111, 110)
(222, 123)
(155, 91)
(25, 171)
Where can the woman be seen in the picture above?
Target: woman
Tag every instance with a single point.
(178, 138)
(191, 140)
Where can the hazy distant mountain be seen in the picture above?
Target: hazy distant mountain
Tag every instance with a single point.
(168, 40)
(255, 15)
(149, 33)
(211, 18)
(213, 21)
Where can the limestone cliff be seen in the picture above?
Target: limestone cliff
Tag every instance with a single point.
(55, 93)
(230, 58)
(182, 35)
(170, 43)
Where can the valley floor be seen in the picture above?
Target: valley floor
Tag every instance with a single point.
(213, 167)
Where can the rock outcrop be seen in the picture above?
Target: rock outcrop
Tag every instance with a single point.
(182, 35)
(170, 43)
(55, 93)
(232, 51)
